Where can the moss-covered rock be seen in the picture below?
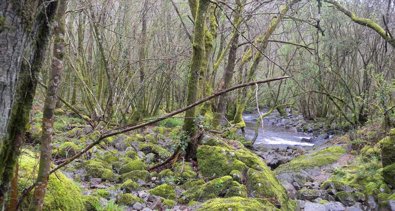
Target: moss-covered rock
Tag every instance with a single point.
(219, 158)
(98, 169)
(102, 193)
(223, 186)
(317, 159)
(389, 174)
(147, 147)
(136, 175)
(67, 149)
(131, 165)
(62, 192)
(263, 184)
(169, 203)
(129, 185)
(237, 203)
(387, 146)
(128, 199)
(166, 191)
(215, 161)
(183, 171)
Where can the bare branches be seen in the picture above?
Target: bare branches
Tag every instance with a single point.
(364, 22)
(134, 127)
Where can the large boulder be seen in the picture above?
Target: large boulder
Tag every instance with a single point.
(62, 193)
(221, 159)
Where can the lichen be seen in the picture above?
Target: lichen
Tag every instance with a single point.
(317, 159)
(165, 190)
(237, 203)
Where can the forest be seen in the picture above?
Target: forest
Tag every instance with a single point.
(217, 105)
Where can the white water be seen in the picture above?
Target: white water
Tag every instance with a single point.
(273, 135)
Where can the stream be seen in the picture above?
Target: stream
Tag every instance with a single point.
(272, 134)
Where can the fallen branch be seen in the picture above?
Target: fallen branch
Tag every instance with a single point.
(128, 128)
(121, 130)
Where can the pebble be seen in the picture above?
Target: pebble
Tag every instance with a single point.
(138, 206)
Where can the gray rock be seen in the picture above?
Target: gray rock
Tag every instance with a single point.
(140, 154)
(147, 209)
(149, 158)
(309, 194)
(335, 206)
(372, 203)
(290, 189)
(138, 206)
(309, 206)
(391, 205)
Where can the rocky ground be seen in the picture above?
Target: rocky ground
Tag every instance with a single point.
(340, 173)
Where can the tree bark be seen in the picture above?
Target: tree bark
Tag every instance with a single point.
(196, 68)
(25, 30)
(49, 108)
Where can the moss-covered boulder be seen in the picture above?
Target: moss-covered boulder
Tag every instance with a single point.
(316, 159)
(166, 191)
(67, 149)
(237, 203)
(62, 192)
(136, 175)
(389, 174)
(129, 185)
(148, 147)
(223, 186)
(388, 149)
(183, 172)
(98, 169)
(215, 161)
(226, 160)
(128, 199)
(129, 165)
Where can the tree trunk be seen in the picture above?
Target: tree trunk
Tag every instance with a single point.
(22, 33)
(196, 67)
(49, 107)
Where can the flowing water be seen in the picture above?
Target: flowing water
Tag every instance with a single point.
(271, 134)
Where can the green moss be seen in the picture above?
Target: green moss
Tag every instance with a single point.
(363, 175)
(132, 165)
(184, 172)
(129, 186)
(165, 190)
(167, 173)
(156, 149)
(172, 122)
(223, 186)
(217, 161)
(91, 202)
(263, 184)
(103, 193)
(317, 159)
(136, 175)
(98, 169)
(236, 175)
(389, 174)
(169, 203)
(68, 149)
(387, 150)
(62, 193)
(128, 199)
(236, 203)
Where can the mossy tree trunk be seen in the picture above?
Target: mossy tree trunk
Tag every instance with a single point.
(26, 26)
(231, 63)
(196, 68)
(49, 108)
(262, 42)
